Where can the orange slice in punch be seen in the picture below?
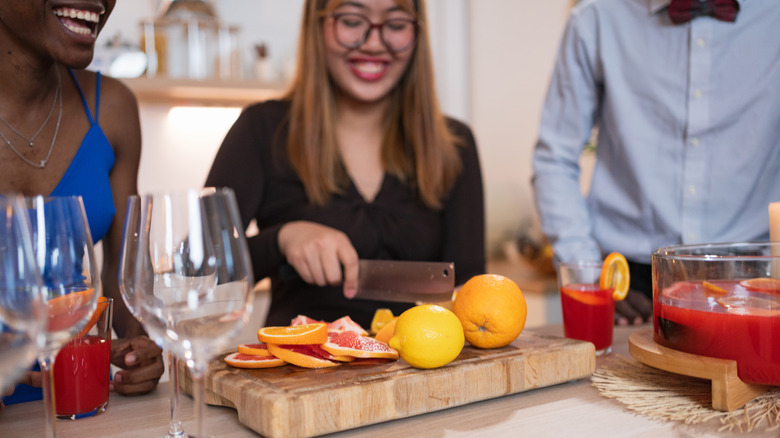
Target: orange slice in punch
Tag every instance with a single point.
(769, 285)
(101, 306)
(750, 306)
(306, 356)
(260, 349)
(241, 360)
(316, 333)
(615, 275)
(712, 290)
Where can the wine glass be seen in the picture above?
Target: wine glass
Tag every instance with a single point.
(22, 309)
(193, 278)
(130, 235)
(63, 249)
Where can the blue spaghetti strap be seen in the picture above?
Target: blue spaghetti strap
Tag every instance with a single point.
(84, 99)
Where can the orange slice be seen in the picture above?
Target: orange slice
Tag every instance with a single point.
(615, 275)
(380, 319)
(771, 285)
(65, 311)
(350, 343)
(387, 331)
(750, 306)
(260, 349)
(241, 360)
(711, 289)
(585, 297)
(315, 333)
(306, 356)
(101, 306)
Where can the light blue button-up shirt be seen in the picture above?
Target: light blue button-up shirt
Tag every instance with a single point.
(688, 120)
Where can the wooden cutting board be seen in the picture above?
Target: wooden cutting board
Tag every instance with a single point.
(290, 401)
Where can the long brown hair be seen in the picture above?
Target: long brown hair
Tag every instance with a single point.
(418, 146)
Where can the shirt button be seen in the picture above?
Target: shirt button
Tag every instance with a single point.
(691, 238)
(694, 141)
(700, 42)
(697, 94)
(692, 189)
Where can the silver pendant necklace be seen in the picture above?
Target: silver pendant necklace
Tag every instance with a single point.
(41, 164)
(31, 140)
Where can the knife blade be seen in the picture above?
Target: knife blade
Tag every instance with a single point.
(405, 281)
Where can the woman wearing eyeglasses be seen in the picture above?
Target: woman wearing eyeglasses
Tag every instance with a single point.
(356, 161)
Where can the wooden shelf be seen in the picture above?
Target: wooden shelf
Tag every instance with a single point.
(189, 92)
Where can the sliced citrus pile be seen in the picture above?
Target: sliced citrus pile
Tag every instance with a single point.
(746, 305)
(349, 343)
(769, 285)
(615, 275)
(314, 333)
(260, 349)
(241, 360)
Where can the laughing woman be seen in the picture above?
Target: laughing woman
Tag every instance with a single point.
(356, 161)
(66, 131)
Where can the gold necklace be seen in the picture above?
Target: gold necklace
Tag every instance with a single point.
(31, 140)
(42, 163)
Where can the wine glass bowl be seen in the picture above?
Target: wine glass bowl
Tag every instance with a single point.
(22, 309)
(64, 253)
(193, 285)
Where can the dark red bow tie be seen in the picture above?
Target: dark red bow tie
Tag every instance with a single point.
(683, 11)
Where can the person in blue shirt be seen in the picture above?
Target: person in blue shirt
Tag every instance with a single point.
(684, 101)
(67, 131)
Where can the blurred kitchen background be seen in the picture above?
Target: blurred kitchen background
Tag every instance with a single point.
(493, 61)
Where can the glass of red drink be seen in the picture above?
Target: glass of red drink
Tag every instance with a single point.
(83, 367)
(588, 310)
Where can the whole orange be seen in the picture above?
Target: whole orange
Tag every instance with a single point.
(491, 309)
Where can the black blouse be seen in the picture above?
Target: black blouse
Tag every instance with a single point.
(252, 160)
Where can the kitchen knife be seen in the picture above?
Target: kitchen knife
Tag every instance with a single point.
(405, 281)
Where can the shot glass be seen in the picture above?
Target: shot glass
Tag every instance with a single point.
(588, 310)
(82, 369)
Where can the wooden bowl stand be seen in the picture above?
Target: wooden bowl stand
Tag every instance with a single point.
(728, 391)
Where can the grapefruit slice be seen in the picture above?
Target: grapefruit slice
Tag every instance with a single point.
(306, 356)
(615, 275)
(345, 323)
(350, 343)
(241, 360)
(303, 319)
(769, 285)
(260, 349)
(750, 306)
(315, 333)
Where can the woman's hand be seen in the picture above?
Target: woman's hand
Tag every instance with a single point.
(141, 363)
(319, 253)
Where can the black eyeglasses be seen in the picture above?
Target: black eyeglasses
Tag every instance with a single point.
(352, 30)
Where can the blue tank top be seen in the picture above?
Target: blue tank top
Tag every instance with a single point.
(89, 173)
(88, 176)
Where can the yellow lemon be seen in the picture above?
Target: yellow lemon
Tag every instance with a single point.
(428, 336)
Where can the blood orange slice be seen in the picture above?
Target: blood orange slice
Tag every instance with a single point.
(303, 319)
(315, 333)
(241, 360)
(769, 285)
(306, 356)
(350, 343)
(260, 349)
(345, 323)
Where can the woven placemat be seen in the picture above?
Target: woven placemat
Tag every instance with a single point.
(667, 396)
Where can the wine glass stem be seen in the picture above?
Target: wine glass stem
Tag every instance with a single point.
(198, 373)
(174, 429)
(46, 361)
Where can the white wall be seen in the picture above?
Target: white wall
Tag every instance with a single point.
(493, 62)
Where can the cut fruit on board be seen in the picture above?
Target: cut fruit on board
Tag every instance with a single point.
(352, 344)
(241, 360)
